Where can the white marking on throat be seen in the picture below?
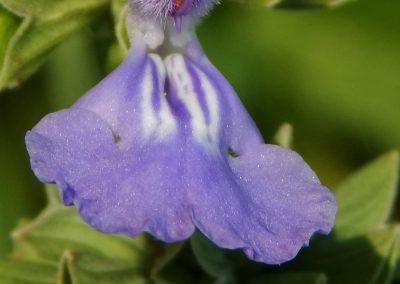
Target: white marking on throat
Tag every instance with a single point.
(206, 134)
(156, 124)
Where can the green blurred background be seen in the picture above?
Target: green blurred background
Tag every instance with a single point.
(333, 74)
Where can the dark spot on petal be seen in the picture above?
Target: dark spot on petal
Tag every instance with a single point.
(232, 153)
(117, 138)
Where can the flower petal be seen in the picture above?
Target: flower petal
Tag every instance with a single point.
(116, 154)
(267, 202)
(131, 99)
(115, 191)
(208, 106)
(65, 145)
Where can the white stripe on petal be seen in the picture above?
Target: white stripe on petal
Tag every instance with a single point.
(186, 93)
(167, 123)
(212, 104)
(155, 124)
(148, 116)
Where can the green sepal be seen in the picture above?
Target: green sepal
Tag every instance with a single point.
(118, 50)
(119, 10)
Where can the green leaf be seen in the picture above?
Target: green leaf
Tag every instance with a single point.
(388, 273)
(397, 262)
(292, 278)
(8, 26)
(212, 259)
(59, 228)
(296, 4)
(284, 135)
(368, 258)
(366, 198)
(81, 268)
(13, 272)
(44, 24)
(167, 255)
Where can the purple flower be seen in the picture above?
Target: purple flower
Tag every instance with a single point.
(161, 9)
(163, 145)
